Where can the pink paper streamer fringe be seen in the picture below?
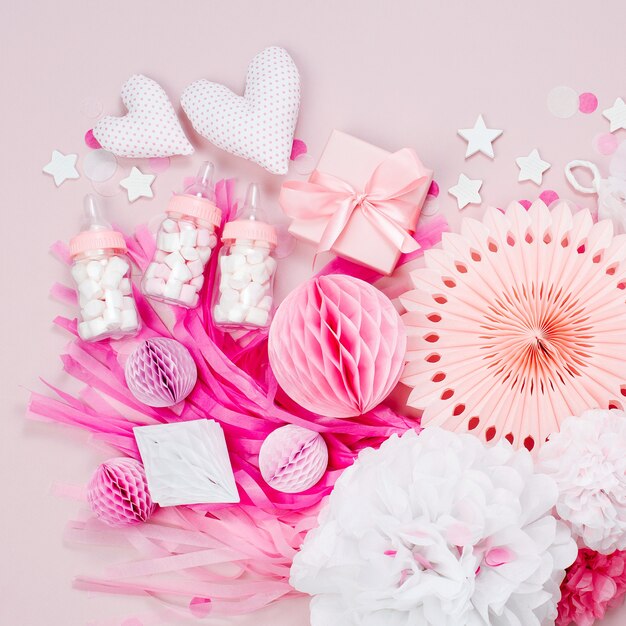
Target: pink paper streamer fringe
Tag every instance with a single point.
(235, 558)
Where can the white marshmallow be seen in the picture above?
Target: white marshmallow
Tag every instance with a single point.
(266, 303)
(236, 314)
(236, 261)
(239, 278)
(94, 270)
(155, 286)
(113, 298)
(189, 253)
(181, 273)
(129, 321)
(197, 282)
(84, 331)
(188, 237)
(186, 225)
(79, 272)
(196, 267)
(151, 270)
(125, 286)
(112, 318)
(256, 255)
(90, 289)
(260, 273)
(270, 264)
(257, 317)
(97, 327)
(203, 237)
(219, 315)
(111, 278)
(127, 303)
(204, 253)
(251, 295)
(170, 242)
(118, 265)
(169, 226)
(188, 294)
(172, 289)
(93, 308)
(173, 259)
(229, 296)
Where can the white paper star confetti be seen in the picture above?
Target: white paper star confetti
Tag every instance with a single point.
(532, 167)
(187, 463)
(616, 115)
(479, 138)
(466, 191)
(62, 167)
(138, 185)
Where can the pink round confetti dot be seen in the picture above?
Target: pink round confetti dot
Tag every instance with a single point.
(297, 148)
(200, 607)
(158, 164)
(549, 196)
(525, 203)
(587, 102)
(433, 190)
(91, 141)
(605, 143)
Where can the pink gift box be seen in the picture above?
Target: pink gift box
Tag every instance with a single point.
(354, 161)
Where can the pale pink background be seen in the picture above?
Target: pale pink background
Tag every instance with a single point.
(402, 73)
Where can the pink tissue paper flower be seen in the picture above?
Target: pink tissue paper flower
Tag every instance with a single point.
(593, 584)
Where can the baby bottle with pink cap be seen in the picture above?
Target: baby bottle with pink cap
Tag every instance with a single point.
(184, 243)
(101, 271)
(244, 287)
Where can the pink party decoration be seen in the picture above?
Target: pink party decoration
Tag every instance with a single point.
(293, 459)
(337, 346)
(118, 493)
(518, 323)
(593, 584)
(241, 553)
(161, 372)
(149, 129)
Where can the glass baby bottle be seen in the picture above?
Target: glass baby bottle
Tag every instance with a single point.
(184, 243)
(101, 272)
(244, 287)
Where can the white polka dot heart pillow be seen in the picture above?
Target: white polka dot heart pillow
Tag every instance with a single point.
(259, 125)
(149, 129)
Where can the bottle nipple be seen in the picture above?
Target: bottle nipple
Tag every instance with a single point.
(202, 185)
(93, 218)
(252, 206)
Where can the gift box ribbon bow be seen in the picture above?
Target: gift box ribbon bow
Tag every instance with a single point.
(384, 200)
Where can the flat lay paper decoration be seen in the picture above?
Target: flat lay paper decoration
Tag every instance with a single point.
(616, 115)
(466, 191)
(517, 323)
(62, 167)
(118, 493)
(587, 461)
(187, 463)
(258, 126)
(336, 346)
(361, 202)
(160, 372)
(479, 138)
(593, 584)
(532, 167)
(293, 459)
(138, 185)
(437, 530)
(149, 129)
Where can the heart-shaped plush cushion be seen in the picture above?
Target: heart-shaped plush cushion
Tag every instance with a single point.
(258, 126)
(149, 129)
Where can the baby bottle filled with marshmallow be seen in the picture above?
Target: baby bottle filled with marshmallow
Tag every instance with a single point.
(244, 286)
(101, 271)
(184, 243)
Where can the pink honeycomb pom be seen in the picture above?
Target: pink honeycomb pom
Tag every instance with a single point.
(161, 372)
(118, 493)
(337, 346)
(293, 459)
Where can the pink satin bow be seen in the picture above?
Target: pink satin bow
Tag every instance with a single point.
(383, 201)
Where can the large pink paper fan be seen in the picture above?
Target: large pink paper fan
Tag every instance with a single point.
(517, 323)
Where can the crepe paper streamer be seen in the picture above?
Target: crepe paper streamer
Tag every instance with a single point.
(160, 372)
(118, 493)
(187, 463)
(336, 346)
(237, 389)
(517, 323)
(293, 459)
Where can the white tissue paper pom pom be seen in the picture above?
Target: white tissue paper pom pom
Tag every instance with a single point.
(437, 530)
(587, 459)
